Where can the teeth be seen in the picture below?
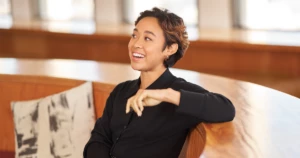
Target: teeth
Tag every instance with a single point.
(138, 55)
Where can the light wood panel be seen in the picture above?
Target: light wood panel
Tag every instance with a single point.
(267, 121)
(232, 55)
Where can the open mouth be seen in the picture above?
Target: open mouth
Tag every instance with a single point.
(138, 55)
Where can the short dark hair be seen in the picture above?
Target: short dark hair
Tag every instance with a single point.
(174, 31)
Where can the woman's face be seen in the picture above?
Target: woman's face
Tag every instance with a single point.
(146, 45)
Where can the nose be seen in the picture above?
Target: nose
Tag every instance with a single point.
(137, 43)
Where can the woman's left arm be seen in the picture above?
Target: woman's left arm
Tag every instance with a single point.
(191, 100)
(204, 105)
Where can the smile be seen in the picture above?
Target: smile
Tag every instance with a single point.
(138, 55)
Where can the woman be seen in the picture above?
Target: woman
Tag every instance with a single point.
(151, 116)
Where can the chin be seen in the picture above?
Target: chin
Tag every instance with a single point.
(136, 67)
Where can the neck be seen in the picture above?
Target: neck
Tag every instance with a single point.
(148, 77)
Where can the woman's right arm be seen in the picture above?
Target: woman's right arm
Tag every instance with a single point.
(100, 142)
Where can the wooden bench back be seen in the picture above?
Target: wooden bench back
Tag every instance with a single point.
(18, 88)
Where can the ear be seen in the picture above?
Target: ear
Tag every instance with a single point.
(172, 49)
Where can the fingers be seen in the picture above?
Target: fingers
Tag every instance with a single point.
(136, 103)
(132, 103)
(143, 98)
(139, 101)
(128, 105)
(136, 108)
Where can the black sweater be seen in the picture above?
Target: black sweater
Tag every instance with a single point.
(161, 131)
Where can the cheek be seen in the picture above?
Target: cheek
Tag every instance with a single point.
(130, 44)
(154, 53)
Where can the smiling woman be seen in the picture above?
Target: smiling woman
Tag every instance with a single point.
(171, 34)
(152, 115)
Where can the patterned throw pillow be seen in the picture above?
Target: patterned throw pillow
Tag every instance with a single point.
(57, 126)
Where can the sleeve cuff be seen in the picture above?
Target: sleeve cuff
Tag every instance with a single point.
(191, 103)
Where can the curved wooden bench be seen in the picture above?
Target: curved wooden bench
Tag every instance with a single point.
(28, 87)
(266, 122)
(18, 87)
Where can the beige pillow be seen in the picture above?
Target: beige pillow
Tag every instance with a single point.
(55, 126)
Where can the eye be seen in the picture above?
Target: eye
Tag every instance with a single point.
(148, 39)
(133, 36)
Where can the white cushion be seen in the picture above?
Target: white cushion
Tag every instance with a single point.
(55, 126)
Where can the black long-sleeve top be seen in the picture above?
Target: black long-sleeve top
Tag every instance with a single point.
(161, 131)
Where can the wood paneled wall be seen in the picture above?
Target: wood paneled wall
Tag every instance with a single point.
(202, 55)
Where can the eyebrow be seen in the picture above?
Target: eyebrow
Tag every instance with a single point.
(148, 32)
